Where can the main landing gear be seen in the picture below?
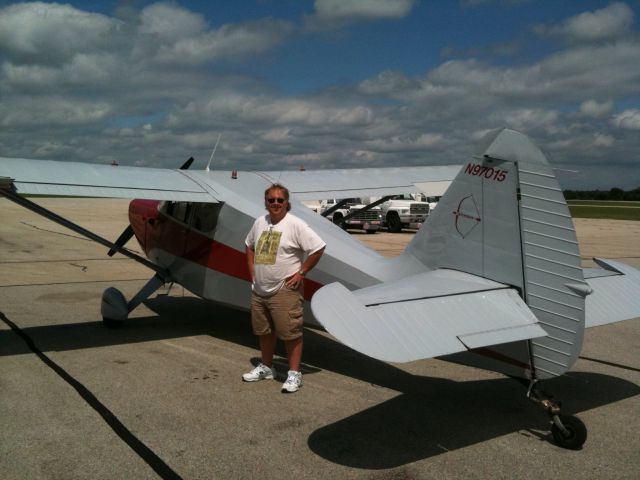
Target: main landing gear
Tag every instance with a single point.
(115, 308)
(568, 431)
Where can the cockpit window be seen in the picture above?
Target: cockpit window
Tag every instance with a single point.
(200, 216)
(178, 210)
(205, 216)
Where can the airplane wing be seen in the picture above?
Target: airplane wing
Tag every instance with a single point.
(615, 293)
(47, 177)
(426, 315)
(359, 182)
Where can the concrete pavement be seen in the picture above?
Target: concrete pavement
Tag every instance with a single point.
(162, 396)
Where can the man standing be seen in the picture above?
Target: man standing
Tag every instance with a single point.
(281, 249)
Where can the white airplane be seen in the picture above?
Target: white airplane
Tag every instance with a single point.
(493, 279)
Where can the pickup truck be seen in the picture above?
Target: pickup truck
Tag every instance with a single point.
(404, 211)
(370, 221)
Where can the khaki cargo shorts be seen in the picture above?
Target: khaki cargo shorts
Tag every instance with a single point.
(280, 313)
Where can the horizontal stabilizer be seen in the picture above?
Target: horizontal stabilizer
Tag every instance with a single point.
(459, 313)
(616, 293)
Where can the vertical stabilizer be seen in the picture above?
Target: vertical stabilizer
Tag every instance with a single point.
(504, 217)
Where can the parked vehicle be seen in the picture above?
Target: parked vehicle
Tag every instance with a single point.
(369, 220)
(405, 211)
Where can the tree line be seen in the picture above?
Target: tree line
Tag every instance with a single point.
(616, 194)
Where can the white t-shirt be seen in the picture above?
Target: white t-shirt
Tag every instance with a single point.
(279, 250)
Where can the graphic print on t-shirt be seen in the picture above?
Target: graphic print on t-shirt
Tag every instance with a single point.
(267, 247)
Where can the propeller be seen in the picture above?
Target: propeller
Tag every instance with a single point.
(126, 235)
(187, 164)
(122, 239)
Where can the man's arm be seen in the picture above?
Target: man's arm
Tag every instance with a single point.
(311, 261)
(250, 255)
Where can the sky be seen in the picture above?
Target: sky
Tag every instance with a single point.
(322, 83)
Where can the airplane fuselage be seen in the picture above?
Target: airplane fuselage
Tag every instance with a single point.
(202, 246)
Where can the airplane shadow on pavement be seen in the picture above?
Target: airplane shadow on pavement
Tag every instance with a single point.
(435, 415)
(447, 415)
(430, 415)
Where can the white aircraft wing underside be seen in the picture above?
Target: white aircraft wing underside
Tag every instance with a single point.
(346, 183)
(47, 177)
(446, 312)
(615, 296)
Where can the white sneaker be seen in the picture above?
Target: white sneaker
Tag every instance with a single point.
(293, 382)
(261, 372)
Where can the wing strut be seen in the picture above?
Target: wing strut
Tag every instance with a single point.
(366, 207)
(6, 190)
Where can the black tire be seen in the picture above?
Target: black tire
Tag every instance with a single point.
(577, 433)
(371, 231)
(393, 223)
(337, 219)
(112, 323)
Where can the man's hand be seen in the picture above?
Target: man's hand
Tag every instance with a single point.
(295, 281)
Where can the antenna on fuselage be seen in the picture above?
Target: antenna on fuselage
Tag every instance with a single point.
(212, 153)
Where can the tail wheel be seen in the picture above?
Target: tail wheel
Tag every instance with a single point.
(393, 222)
(574, 434)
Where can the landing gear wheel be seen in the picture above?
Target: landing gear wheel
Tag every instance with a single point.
(112, 323)
(393, 222)
(574, 434)
(568, 431)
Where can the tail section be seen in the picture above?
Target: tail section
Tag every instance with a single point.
(504, 218)
(504, 279)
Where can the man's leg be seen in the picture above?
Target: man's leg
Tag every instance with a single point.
(268, 348)
(262, 327)
(294, 353)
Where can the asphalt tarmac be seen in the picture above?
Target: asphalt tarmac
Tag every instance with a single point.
(162, 397)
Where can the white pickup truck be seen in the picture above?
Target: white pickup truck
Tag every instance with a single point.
(370, 221)
(404, 211)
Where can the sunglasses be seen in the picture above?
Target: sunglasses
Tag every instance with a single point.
(279, 200)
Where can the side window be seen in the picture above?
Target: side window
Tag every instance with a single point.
(205, 216)
(166, 207)
(181, 211)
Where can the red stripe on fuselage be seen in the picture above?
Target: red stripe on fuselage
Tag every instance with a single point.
(155, 230)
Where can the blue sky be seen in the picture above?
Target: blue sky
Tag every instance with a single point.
(324, 83)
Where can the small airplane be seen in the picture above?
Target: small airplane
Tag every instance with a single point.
(493, 279)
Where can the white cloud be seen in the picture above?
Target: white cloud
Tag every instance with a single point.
(385, 83)
(602, 140)
(629, 119)
(169, 23)
(229, 41)
(53, 112)
(566, 76)
(51, 33)
(372, 9)
(529, 119)
(338, 13)
(269, 111)
(611, 22)
(591, 108)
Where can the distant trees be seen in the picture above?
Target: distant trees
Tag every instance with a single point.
(613, 194)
